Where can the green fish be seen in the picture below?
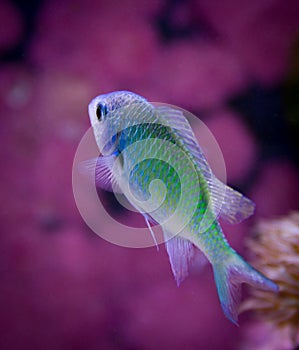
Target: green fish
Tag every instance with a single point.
(149, 153)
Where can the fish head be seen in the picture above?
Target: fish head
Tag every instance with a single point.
(110, 114)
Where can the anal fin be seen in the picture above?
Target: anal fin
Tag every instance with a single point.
(180, 252)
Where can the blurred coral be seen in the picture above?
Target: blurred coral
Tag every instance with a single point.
(11, 25)
(238, 144)
(261, 33)
(276, 188)
(100, 41)
(189, 74)
(275, 249)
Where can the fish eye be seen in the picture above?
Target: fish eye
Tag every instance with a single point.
(101, 111)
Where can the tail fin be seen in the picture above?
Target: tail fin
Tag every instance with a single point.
(229, 274)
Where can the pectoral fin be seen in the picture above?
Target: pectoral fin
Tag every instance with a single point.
(100, 169)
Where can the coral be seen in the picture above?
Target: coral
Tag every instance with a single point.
(275, 249)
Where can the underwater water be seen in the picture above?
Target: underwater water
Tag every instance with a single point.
(232, 63)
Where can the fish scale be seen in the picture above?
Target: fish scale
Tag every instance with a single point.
(139, 179)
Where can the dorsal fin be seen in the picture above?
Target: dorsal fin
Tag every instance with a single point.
(175, 119)
(236, 207)
(231, 205)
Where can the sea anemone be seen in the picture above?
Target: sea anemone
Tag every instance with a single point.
(276, 247)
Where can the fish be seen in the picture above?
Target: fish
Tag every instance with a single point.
(150, 154)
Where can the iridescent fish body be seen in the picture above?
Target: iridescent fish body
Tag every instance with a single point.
(141, 143)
